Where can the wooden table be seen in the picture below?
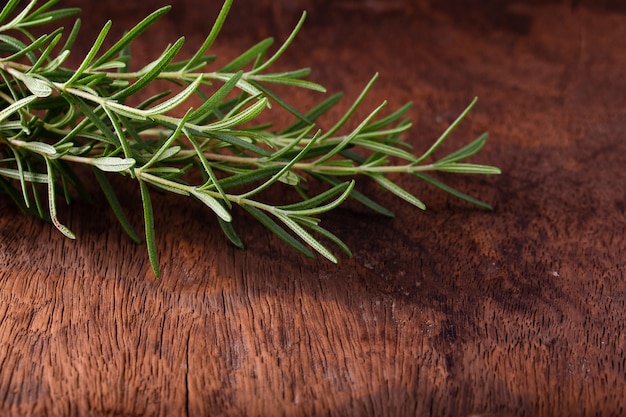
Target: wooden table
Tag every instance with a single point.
(450, 312)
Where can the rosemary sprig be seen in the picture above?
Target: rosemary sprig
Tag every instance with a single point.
(53, 119)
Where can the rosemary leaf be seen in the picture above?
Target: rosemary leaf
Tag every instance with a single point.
(149, 227)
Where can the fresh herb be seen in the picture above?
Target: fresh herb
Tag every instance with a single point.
(54, 119)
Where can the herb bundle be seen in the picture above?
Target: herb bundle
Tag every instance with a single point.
(54, 119)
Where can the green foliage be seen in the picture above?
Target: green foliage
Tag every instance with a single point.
(54, 119)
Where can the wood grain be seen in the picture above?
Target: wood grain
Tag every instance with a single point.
(450, 312)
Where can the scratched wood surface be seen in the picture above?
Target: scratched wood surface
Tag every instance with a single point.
(450, 312)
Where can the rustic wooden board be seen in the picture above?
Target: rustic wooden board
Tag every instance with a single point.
(451, 312)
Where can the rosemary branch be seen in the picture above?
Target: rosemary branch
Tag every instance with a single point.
(53, 119)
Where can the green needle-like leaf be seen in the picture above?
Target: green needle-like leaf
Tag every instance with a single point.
(237, 63)
(399, 191)
(153, 73)
(282, 48)
(109, 192)
(306, 236)
(148, 217)
(72, 36)
(352, 109)
(319, 208)
(7, 9)
(445, 134)
(212, 203)
(131, 35)
(20, 48)
(7, 111)
(40, 148)
(266, 221)
(214, 101)
(22, 175)
(460, 168)
(113, 163)
(358, 196)
(465, 152)
(17, 19)
(36, 86)
(314, 113)
(330, 236)
(208, 42)
(240, 118)
(20, 170)
(90, 55)
(175, 101)
(452, 191)
(230, 233)
(52, 203)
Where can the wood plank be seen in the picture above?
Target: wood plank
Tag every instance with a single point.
(451, 312)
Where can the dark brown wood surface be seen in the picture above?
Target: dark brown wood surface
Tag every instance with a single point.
(450, 312)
